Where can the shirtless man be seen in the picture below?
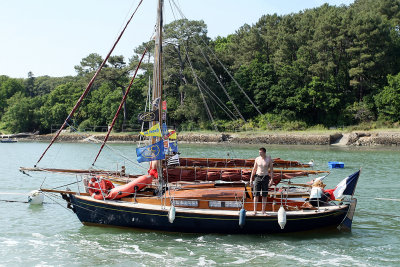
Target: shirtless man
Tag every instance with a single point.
(262, 173)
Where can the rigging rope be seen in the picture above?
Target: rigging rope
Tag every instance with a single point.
(201, 93)
(196, 79)
(230, 152)
(228, 112)
(91, 138)
(120, 106)
(88, 87)
(206, 90)
(219, 61)
(220, 83)
(233, 79)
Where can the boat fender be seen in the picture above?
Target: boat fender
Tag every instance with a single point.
(282, 217)
(242, 217)
(35, 197)
(171, 214)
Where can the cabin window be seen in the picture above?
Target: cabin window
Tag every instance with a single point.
(186, 203)
(224, 204)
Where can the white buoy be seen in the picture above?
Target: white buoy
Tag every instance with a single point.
(171, 214)
(282, 217)
(35, 197)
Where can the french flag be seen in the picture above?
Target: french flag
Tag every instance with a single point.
(347, 186)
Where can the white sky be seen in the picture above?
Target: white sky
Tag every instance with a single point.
(50, 37)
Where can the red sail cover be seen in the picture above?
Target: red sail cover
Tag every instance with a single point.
(216, 162)
(192, 175)
(213, 162)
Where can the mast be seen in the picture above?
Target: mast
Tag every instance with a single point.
(157, 71)
(158, 78)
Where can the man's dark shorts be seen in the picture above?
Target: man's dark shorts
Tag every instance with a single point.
(261, 185)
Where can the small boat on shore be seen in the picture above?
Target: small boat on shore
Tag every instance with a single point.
(8, 140)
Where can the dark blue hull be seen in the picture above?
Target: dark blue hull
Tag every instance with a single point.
(92, 212)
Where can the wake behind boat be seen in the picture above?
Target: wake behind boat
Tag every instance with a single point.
(198, 195)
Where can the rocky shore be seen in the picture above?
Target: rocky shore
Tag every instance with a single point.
(338, 139)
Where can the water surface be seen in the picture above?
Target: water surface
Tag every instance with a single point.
(51, 235)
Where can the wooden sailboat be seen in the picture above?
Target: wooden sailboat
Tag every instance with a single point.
(200, 195)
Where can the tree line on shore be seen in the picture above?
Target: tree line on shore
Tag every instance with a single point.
(322, 67)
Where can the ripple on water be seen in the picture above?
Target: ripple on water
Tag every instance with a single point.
(9, 243)
(51, 235)
(38, 235)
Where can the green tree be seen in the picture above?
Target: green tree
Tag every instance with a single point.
(324, 101)
(256, 78)
(19, 115)
(9, 87)
(58, 105)
(184, 49)
(89, 64)
(45, 84)
(30, 83)
(388, 100)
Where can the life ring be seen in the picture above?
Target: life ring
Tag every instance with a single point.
(98, 189)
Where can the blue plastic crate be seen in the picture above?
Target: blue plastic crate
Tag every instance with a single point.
(335, 164)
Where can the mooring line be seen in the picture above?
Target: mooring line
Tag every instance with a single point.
(4, 200)
(391, 199)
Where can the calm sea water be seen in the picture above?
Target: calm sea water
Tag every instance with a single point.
(51, 235)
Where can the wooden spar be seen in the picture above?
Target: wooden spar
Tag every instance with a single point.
(61, 191)
(77, 171)
(23, 169)
(246, 169)
(77, 104)
(158, 76)
(120, 106)
(157, 68)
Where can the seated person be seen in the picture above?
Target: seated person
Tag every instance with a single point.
(317, 194)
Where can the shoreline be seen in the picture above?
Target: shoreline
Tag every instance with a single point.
(356, 138)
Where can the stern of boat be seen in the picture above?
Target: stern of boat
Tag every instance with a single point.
(346, 224)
